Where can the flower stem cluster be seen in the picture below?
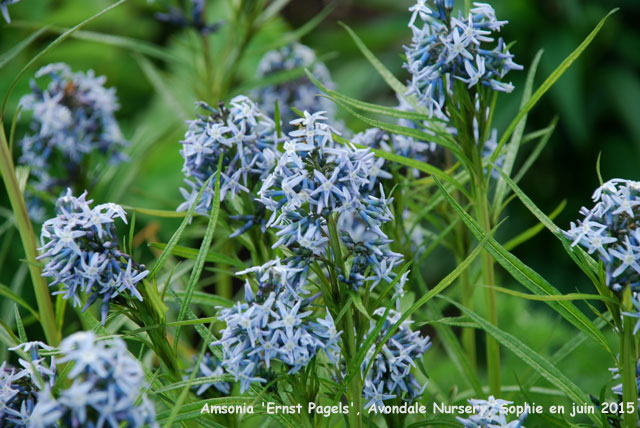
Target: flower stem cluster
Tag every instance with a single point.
(611, 230)
(73, 119)
(390, 374)
(258, 334)
(299, 92)
(445, 48)
(243, 136)
(106, 387)
(82, 252)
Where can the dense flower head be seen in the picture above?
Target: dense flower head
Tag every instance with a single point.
(491, 413)
(300, 93)
(390, 374)
(21, 388)
(279, 329)
(73, 118)
(446, 48)
(105, 385)
(82, 252)
(210, 367)
(5, 10)
(313, 178)
(242, 135)
(610, 230)
(188, 14)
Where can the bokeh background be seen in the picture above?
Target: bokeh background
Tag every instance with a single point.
(597, 102)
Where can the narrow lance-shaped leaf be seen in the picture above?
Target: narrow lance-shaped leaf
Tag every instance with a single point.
(548, 83)
(527, 276)
(532, 358)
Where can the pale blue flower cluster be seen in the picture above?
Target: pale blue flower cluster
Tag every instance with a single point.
(491, 413)
(316, 179)
(21, 390)
(73, 120)
(106, 389)
(445, 48)
(188, 14)
(610, 230)
(243, 136)
(82, 252)
(390, 374)
(5, 10)
(257, 334)
(300, 93)
(210, 367)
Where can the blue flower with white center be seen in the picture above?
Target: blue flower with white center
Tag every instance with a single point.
(210, 367)
(73, 126)
(246, 140)
(390, 373)
(300, 93)
(445, 48)
(258, 334)
(491, 413)
(610, 230)
(82, 252)
(5, 10)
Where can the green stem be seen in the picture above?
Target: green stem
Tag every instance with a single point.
(468, 334)
(355, 389)
(488, 277)
(629, 356)
(25, 229)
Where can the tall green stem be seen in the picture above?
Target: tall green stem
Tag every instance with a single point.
(488, 276)
(27, 236)
(355, 389)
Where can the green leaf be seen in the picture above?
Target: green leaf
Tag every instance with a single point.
(192, 253)
(532, 358)
(6, 57)
(548, 83)
(8, 293)
(527, 276)
(546, 135)
(569, 296)
(22, 334)
(155, 213)
(204, 249)
(516, 139)
(372, 108)
(128, 43)
(176, 236)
